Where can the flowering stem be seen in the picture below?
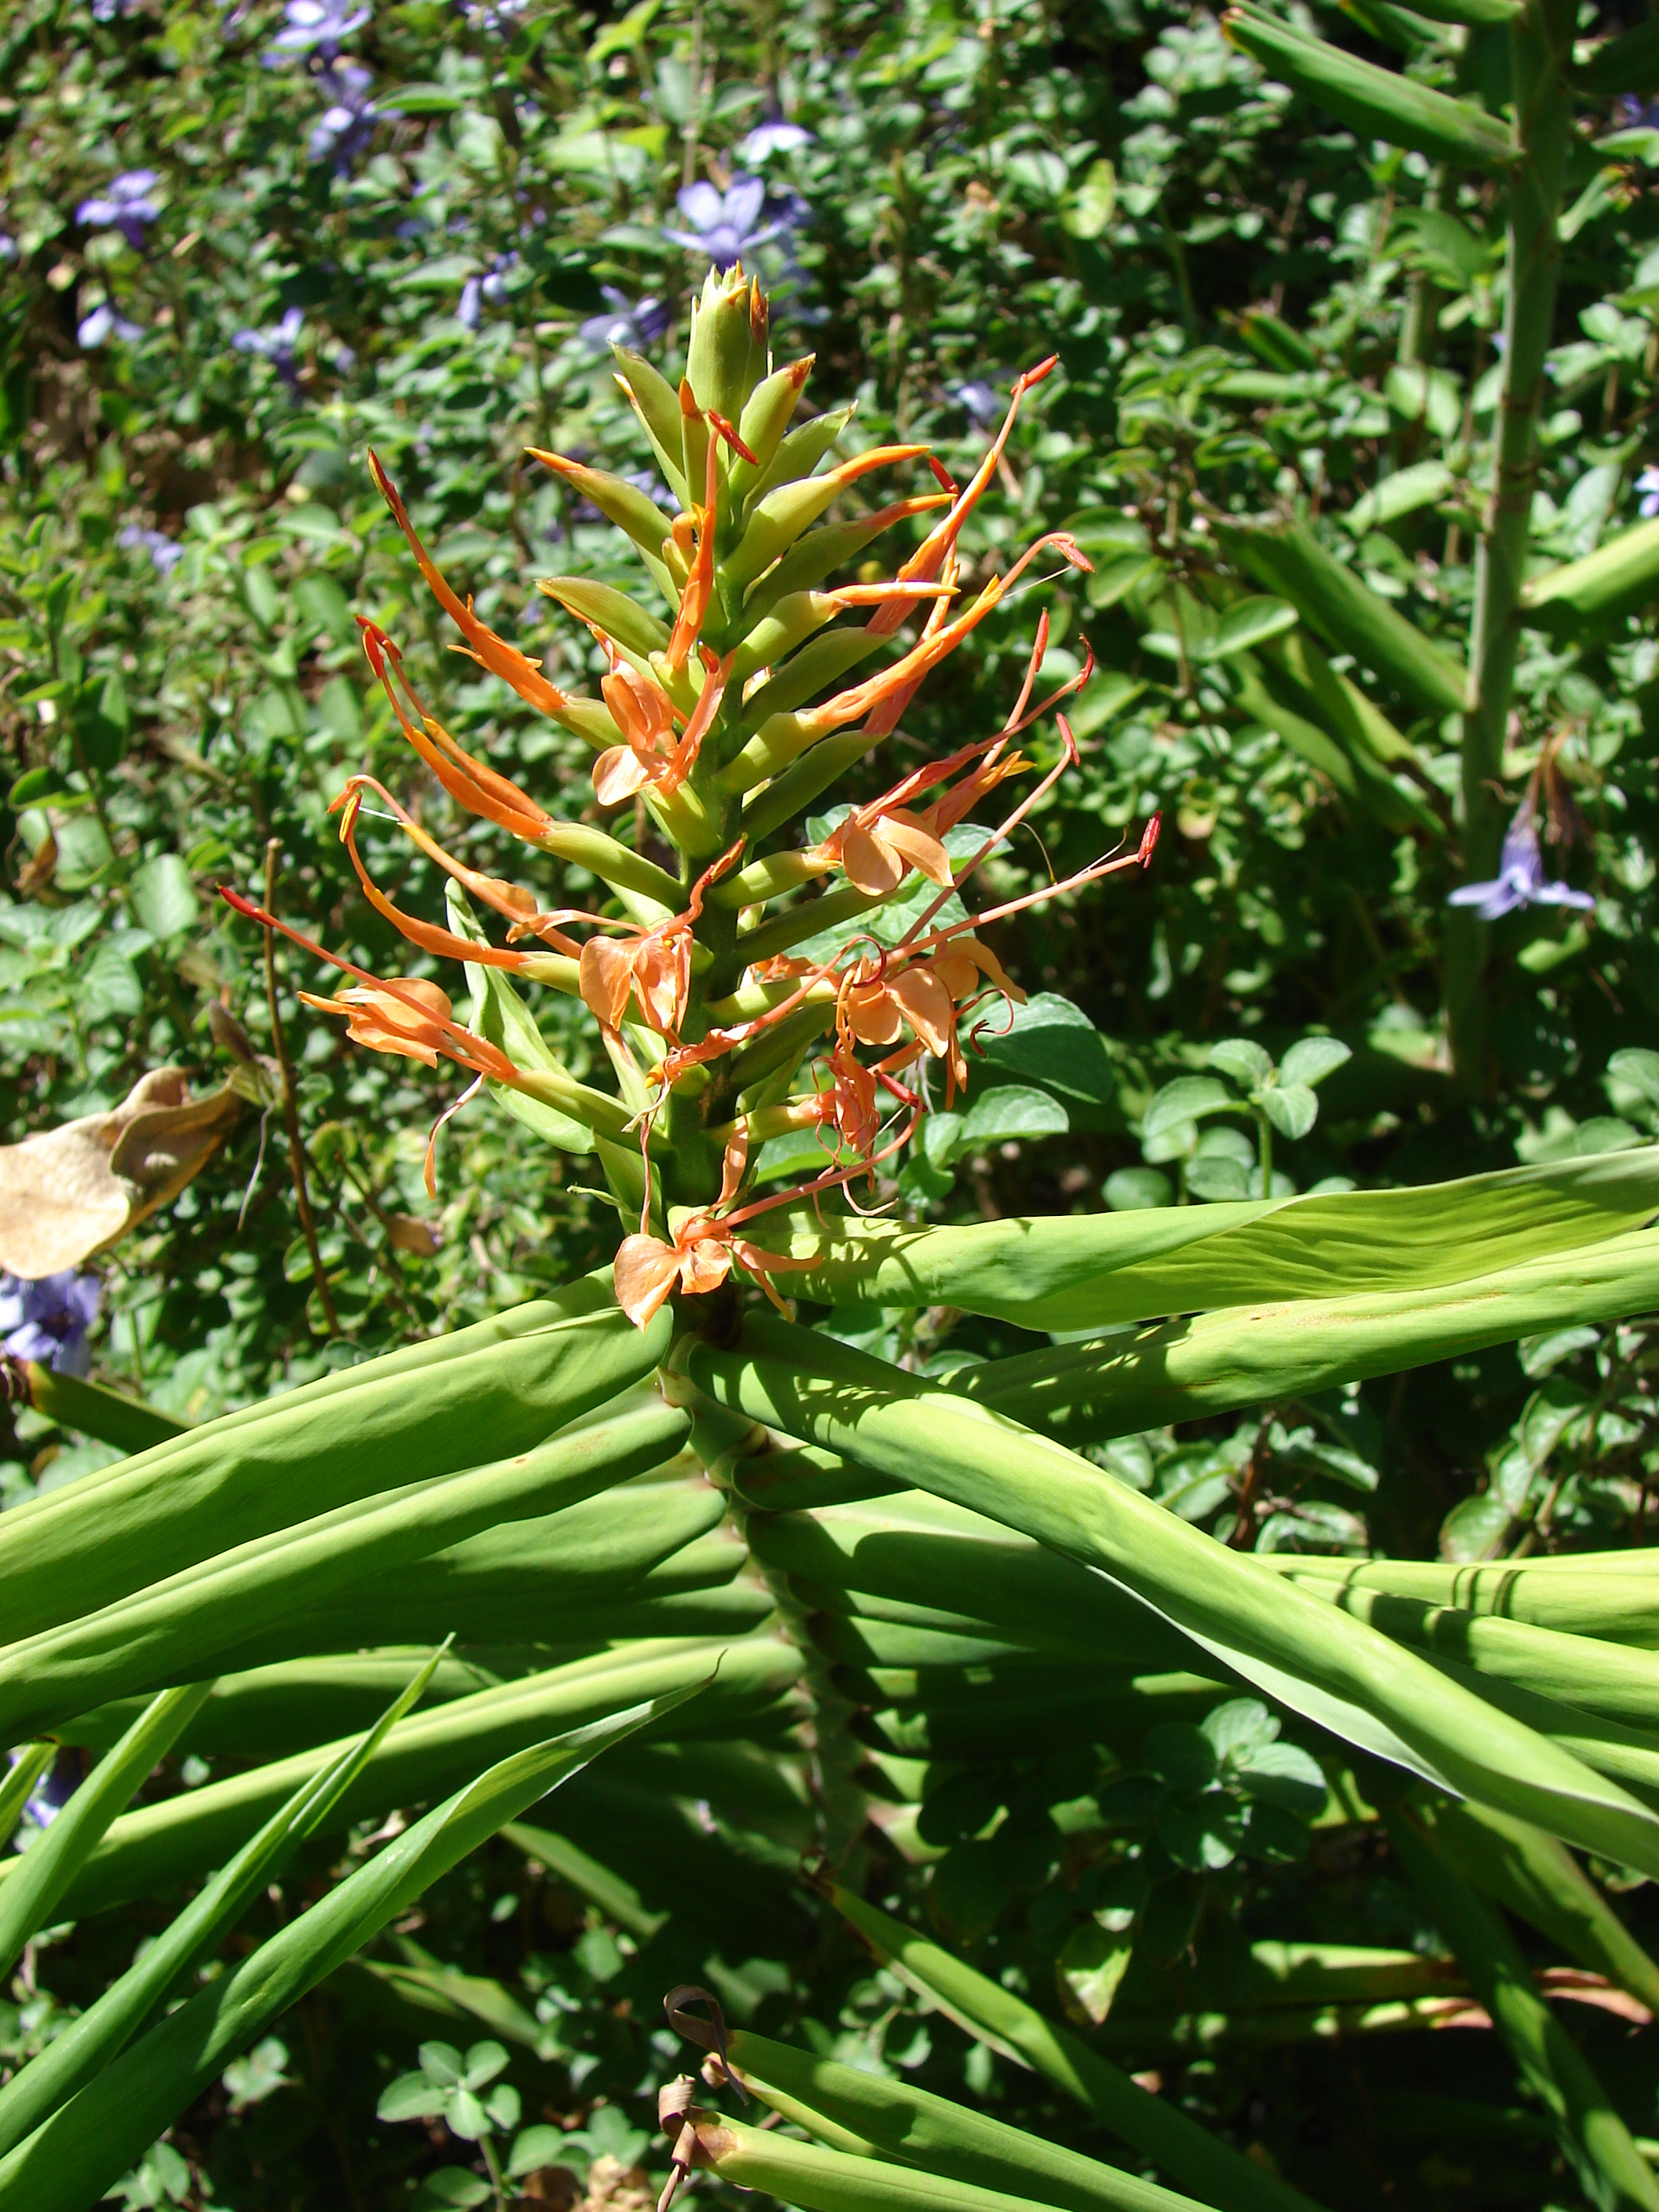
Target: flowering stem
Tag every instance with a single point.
(108, 1415)
(1540, 49)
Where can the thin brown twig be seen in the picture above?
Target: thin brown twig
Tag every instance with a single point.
(296, 1151)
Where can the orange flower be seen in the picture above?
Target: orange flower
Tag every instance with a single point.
(410, 1019)
(407, 1017)
(877, 847)
(694, 532)
(428, 935)
(653, 966)
(512, 900)
(850, 1101)
(879, 701)
(482, 645)
(643, 712)
(940, 544)
(876, 1003)
(700, 1258)
(478, 788)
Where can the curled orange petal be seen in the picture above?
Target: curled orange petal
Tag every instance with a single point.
(706, 1265)
(869, 862)
(645, 1271)
(606, 977)
(618, 773)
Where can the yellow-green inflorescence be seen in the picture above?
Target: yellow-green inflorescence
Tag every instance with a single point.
(743, 683)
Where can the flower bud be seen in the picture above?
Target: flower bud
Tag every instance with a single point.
(719, 358)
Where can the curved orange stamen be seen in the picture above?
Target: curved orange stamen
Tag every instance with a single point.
(442, 943)
(489, 650)
(478, 788)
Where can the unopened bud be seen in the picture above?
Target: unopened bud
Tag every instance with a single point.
(718, 360)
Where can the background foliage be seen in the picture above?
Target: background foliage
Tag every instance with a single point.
(416, 227)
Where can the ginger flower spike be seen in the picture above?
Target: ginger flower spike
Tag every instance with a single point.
(745, 978)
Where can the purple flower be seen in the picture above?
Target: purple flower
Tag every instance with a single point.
(723, 224)
(1648, 484)
(770, 138)
(635, 323)
(47, 1320)
(276, 346)
(1520, 877)
(315, 26)
(54, 1788)
(348, 123)
(490, 287)
(104, 323)
(163, 550)
(125, 205)
(980, 400)
(8, 247)
(499, 18)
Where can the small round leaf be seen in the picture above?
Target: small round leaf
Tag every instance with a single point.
(1184, 1100)
(1292, 1108)
(1247, 1063)
(1312, 1059)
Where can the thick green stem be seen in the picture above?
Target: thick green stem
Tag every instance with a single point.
(1541, 48)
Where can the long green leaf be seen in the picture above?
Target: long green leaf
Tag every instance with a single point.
(160, 1846)
(1160, 2130)
(824, 2180)
(56, 1857)
(1610, 2168)
(589, 1294)
(616, 1898)
(1220, 1362)
(873, 2118)
(1356, 1683)
(304, 1702)
(192, 1618)
(1621, 577)
(1611, 1680)
(921, 1552)
(1583, 1593)
(87, 2044)
(1333, 742)
(71, 2159)
(1376, 102)
(1469, 11)
(1625, 1755)
(229, 1482)
(1532, 1874)
(1097, 1271)
(539, 1636)
(1339, 603)
(520, 1581)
